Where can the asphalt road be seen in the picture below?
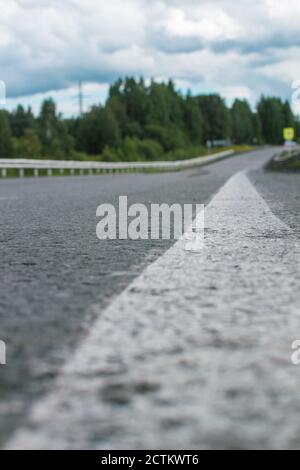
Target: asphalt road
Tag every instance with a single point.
(54, 269)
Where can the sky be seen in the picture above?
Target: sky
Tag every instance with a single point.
(238, 48)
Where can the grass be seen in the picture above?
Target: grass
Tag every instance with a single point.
(289, 161)
(179, 154)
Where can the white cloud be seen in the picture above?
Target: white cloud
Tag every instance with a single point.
(285, 12)
(206, 23)
(286, 68)
(243, 48)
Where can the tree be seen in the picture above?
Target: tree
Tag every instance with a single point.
(28, 146)
(21, 120)
(297, 129)
(270, 111)
(117, 107)
(142, 121)
(216, 117)
(193, 120)
(169, 137)
(6, 145)
(288, 117)
(257, 128)
(165, 105)
(242, 122)
(98, 129)
(53, 132)
(136, 100)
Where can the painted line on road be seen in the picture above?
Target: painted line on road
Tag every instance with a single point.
(186, 351)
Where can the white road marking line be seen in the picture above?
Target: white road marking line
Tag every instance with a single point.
(184, 357)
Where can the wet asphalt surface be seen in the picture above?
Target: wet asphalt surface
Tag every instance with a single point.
(54, 269)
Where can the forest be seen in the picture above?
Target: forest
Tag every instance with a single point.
(142, 122)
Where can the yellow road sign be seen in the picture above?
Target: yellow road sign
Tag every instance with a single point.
(289, 133)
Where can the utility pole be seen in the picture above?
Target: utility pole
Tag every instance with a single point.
(80, 97)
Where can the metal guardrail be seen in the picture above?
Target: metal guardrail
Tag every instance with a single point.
(49, 166)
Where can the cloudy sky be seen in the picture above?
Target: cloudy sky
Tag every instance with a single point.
(239, 48)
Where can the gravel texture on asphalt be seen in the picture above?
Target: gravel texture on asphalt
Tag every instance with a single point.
(54, 270)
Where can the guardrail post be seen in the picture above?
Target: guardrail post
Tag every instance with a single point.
(4, 172)
(21, 172)
(49, 172)
(36, 172)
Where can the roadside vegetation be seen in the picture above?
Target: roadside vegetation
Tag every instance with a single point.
(142, 122)
(288, 160)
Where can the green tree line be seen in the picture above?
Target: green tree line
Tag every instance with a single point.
(143, 122)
